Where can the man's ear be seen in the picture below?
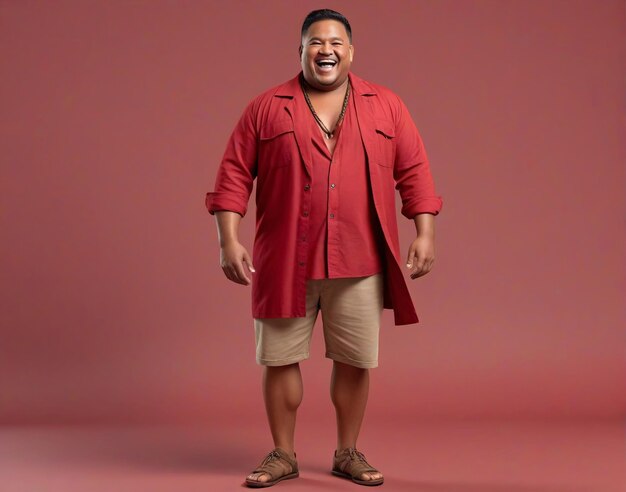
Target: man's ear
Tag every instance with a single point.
(351, 53)
(300, 51)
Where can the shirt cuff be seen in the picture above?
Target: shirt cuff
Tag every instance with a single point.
(215, 201)
(431, 205)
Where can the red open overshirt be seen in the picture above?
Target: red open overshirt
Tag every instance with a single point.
(269, 144)
(342, 209)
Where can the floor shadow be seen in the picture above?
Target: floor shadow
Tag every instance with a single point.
(407, 485)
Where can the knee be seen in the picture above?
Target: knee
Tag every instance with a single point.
(349, 370)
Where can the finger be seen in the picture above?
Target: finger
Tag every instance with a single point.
(427, 266)
(241, 274)
(230, 274)
(248, 260)
(410, 258)
(419, 268)
(235, 275)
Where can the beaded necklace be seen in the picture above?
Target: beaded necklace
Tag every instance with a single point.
(327, 133)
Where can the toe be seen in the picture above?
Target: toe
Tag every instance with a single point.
(259, 477)
(371, 476)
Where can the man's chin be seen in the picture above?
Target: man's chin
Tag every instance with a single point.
(326, 82)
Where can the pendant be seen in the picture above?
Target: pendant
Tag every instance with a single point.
(328, 136)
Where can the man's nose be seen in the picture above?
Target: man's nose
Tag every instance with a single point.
(327, 48)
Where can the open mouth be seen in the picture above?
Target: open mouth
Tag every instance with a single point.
(326, 65)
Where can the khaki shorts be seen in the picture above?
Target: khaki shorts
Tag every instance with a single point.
(351, 313)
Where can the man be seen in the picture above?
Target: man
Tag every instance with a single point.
(328, 150)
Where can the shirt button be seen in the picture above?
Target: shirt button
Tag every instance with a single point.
(332, 216)
(307, 187)
(305, 213)
(301, 263)
(332, 185)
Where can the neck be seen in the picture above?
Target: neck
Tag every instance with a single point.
(315, 91)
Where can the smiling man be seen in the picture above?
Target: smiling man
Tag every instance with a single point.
(328, 150)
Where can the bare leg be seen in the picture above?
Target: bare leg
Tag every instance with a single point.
(349, 390)
(282, 391)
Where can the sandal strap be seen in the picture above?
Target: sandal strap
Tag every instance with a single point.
(354, 463)
(276, 464)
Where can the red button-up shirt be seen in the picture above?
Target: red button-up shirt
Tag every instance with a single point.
(342, 209)
(270, 144)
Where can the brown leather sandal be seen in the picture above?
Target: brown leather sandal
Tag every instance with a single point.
(278, 465)
(351, 463)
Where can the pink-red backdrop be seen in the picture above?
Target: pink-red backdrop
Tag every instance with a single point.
(114, 119)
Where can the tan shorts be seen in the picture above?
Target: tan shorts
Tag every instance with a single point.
(351, 312)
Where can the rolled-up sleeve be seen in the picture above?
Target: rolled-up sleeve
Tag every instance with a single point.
(238, 168)
(411, 169)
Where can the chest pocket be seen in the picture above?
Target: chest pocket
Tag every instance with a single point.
(386, 142)
(276, 143)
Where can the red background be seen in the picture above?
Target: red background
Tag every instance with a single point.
(114, 119)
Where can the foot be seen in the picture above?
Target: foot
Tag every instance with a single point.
(277, 465)
(351, 463)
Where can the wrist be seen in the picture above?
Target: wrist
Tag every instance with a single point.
(424, 224)
(225, 243)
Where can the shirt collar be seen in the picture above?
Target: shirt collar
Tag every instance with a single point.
(292, 86)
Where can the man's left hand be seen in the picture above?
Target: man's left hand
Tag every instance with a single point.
(421, 255)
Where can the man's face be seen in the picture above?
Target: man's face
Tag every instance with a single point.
(326, 54)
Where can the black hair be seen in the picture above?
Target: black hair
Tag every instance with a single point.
(323, 14)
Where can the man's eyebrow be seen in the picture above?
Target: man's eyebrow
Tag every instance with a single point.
(319, 39)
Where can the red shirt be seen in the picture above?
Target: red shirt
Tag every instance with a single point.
(271, 144)
(342, 208)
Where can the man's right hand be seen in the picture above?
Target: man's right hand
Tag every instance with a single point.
(233, 255)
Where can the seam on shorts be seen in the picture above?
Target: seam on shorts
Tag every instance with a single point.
(303, 355)
(343, 358)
